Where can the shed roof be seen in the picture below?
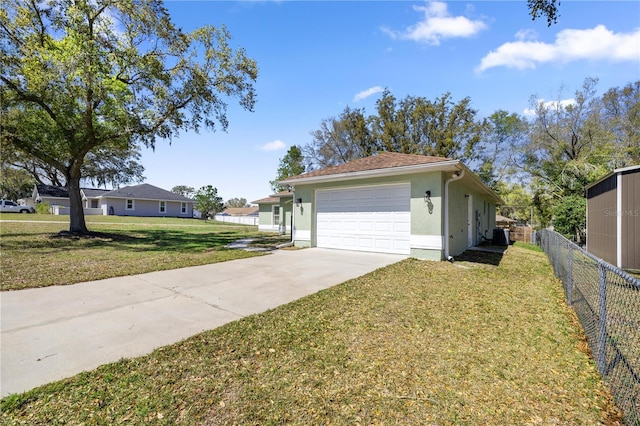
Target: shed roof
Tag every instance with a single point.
(630, 169)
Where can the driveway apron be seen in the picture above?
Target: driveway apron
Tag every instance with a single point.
(52, 333)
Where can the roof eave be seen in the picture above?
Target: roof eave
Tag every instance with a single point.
(614, 172)
(444, 166)
(492, 194)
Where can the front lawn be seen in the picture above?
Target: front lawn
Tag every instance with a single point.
(34, 255)
(482, 341)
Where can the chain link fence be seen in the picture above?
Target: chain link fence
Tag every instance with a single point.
(607, 303)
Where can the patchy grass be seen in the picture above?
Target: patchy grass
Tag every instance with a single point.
(34, 254)
(528, 246)
(413, 343)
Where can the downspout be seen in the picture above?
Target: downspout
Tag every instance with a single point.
(456, 176)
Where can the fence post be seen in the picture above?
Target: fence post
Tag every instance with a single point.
(570, 276)
(601, 356)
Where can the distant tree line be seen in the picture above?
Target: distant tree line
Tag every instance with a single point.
(539, 162)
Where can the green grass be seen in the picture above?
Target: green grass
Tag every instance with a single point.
(418, 342)
(528, 246)
(35, 255)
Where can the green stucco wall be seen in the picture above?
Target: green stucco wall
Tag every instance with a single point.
(427, 224)
(426, 217)
(264, 214)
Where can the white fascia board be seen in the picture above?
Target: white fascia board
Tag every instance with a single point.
(444, 166)
(627, 169)
(616, 171)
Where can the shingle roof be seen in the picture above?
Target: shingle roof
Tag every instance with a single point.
(146, 192)
(52, 191)
(272, 199)
(92, 192)
(383, 160)
(241, 211)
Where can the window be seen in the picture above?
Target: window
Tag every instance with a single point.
(183, 208)
(131, 205)
(163, 206)
(276, 215)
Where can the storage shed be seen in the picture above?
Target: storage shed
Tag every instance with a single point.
(613, 218)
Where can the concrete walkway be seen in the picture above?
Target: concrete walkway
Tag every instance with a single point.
(55, 332)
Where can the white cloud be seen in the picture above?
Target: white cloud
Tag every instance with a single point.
(437, 24)
(598, 43)
(273, 146)
(366, 93)
(556, 105)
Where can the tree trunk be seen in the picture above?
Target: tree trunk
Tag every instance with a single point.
(77, 224)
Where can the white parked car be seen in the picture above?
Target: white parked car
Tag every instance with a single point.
(7, 206)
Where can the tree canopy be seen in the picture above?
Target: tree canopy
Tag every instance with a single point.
(544, 8)
(184, 190)
(85, 80)
(413, 125)
(236, 202)
(292, 164)
(208, 201)
(542, 161)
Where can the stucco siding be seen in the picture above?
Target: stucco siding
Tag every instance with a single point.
(426, 215)
(265, 216)
(427, 224)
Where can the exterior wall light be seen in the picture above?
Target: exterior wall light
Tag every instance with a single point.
(427, 196)
(298, 201)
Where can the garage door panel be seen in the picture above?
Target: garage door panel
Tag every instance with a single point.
(375, 218)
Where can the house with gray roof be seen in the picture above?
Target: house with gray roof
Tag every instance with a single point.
(59, 196)
(146, 200)
(137, 200)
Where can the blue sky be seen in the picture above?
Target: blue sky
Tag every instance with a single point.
(317, 57)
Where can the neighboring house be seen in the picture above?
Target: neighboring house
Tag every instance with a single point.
(241, 215)
(137, 200)
(425, 207)
(58, 197)
(240, 211)
(146, 200)
(504, 222)
(91, 197)
(52, 195)
(613, 218)
(275, 212)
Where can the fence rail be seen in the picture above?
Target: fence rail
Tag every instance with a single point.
(607, 303)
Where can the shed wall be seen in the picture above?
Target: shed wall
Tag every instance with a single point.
(601, 220)
(630, 217)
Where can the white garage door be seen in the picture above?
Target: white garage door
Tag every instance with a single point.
(372, 218)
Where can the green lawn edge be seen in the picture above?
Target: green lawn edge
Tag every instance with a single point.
(417, 342)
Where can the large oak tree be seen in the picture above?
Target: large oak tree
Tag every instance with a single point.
(92, 77)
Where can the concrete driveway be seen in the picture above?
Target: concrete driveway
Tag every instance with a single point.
(55, 332)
